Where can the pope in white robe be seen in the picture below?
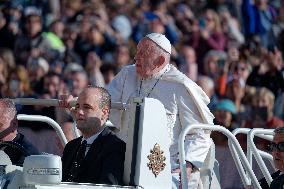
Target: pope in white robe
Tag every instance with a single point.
(184, 101)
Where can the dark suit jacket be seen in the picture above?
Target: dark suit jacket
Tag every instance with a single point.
(104, 162)
(264, 184)
(16, 156)
(278, 182)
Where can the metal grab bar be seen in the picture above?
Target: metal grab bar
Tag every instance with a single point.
(254, 150)
(257, 153)
(47, 120)
(244, 177)
(54, 102)
(212, 128)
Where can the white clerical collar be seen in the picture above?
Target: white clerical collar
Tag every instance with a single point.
(92, 138)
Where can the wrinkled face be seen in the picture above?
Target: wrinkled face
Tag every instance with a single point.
(278, 157)
(145, 58)
(89, 116)
(8, 117)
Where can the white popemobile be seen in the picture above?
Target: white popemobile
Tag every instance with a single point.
(147, 158)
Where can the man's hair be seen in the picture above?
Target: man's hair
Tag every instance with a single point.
(7, 108)
(104, 97)
(279, 130)
(160, 51)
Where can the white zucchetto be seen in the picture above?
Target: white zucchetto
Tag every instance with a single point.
(161, 41)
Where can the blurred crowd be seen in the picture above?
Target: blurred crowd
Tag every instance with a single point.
(233, 49)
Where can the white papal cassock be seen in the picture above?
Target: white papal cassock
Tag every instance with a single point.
(184, 101)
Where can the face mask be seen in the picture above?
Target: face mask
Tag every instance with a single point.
(260, 112)
(14, 85)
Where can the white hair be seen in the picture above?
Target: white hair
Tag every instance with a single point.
(158, 50)
(7, 109)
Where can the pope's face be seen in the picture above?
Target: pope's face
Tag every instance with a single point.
(278, 156)
(145, 58)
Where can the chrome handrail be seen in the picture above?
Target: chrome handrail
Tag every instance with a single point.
(254, 150)
(47, 120)
(230, 136)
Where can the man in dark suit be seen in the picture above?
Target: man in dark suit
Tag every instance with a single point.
(101, 160)
(277, 148)
(13, 143)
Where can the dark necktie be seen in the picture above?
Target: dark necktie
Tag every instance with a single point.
(77, 162)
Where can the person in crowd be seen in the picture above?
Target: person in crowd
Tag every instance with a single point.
(156, 19)
(55, 36)
(189, 66)
(207, 85)
(224, 113)
(18, 83)
(216, 66)
(278, 157)
(152, 76)
(14, 144)
(278, 108)
(277, 149)
(98, 155)
(109, 71)
(79, 82)
(7, 63)
(214, 63)
(236, 91)
(240, 69)
(122, 56)
(231, 27)
(262, 113)
(10, 22)
(31, 43)
(208, 35)
(258, 17)
(93, 70)
(268, 73)
(262, 105)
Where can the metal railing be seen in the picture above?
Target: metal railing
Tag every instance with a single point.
(262, 134)
(47, 120)
(55, 103)
(253, 151)
(230, 136)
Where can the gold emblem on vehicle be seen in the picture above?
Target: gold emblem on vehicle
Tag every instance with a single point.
(157, 160)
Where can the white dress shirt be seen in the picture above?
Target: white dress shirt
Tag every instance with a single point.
(90, 140)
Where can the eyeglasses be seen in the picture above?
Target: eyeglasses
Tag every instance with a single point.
(274, 146)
